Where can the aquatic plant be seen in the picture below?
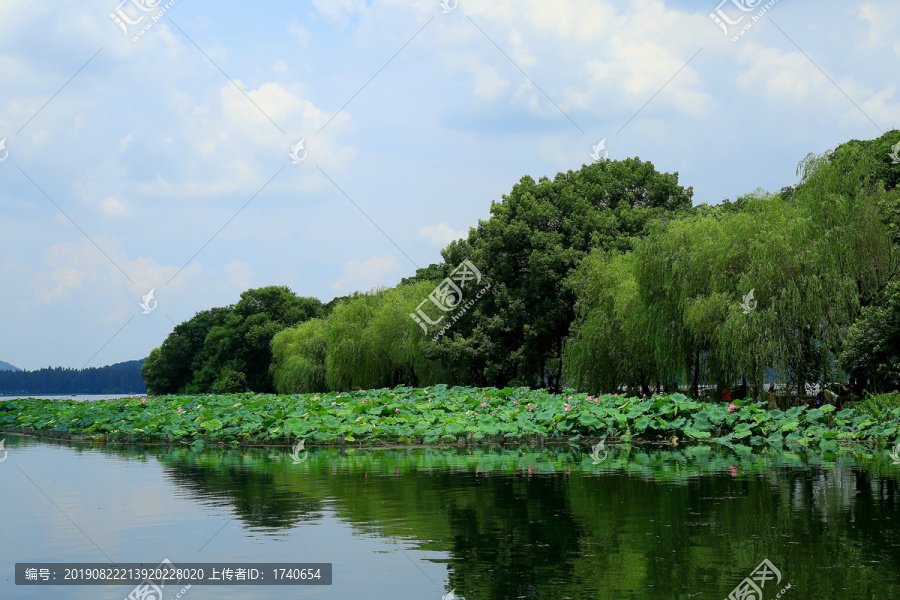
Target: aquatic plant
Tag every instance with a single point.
(443, 415)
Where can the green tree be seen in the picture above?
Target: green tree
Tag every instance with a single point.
(872, 349)
(367, 341)
(533, 241)
(228, 348)
(170, 368)
(609, 343)
(812, 255)
(298, 358)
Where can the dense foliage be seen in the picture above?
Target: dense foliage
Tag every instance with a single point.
(601, 279)
(679, 309)
(447, 415)
(120, 378)
(227, 349)
(366, 342)
(872, 347)
(514, 335)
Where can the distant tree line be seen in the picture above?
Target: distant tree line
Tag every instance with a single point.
(120, 378)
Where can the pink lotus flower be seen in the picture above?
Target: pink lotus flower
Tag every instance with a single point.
(731, 407)
(484, 404)
(568, 408)
(181, 410)
(144, 400)
(333, 403)
(397, 410)
(515, 401)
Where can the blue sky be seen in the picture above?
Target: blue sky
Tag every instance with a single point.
(128, 160)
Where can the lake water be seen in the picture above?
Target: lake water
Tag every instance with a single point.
(489, 523)
(79, 397)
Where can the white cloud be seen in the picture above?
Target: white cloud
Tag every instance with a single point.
(883, 19)
(299, 32)
(440, 235)
(113, 207)
(238, 275)
(339, 9)
(280, 66)
(363, 275)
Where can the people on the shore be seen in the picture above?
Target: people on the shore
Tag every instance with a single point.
(844, 395)
(726, 396)
(772, 396)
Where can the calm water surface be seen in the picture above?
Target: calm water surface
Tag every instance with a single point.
(491, 523)
(78, 397)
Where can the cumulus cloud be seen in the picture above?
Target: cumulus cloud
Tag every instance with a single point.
(238, 275)
(363, 275)
(440, 235)
(113, 207)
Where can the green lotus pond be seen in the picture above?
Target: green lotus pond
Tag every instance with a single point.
(492, 522)
(442, 415)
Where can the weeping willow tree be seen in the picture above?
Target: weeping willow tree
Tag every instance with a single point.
(368, 341)
(299, 355)
(608, 348)
(811, 258)
(398, 345)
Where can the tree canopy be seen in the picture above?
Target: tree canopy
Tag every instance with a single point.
(227, 349)
(601, 278)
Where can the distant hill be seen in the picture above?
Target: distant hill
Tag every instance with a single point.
(5, 366)
(120, 378)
